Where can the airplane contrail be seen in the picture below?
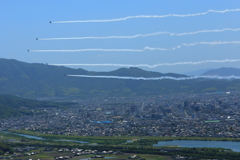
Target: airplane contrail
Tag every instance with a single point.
(158, 78)
(146, 35)
(153, 66)
(150, 16)
(142, 50)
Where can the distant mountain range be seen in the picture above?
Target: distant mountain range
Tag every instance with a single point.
(38, 80)
(223, 72)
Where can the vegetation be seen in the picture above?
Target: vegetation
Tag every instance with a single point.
(144, 142)
(139, 146)
(12, 106)
(206, 153)
(146, 139)
(32, 80)
(5, 148)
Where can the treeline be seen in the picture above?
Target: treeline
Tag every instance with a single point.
(110, 141)
(144, 142)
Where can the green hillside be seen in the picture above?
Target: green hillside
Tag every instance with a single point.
(35, 80)
(12, 106)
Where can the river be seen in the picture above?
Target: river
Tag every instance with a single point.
(40, 138)
(235, 146)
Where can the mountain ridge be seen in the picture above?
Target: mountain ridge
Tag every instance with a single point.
(39, 80)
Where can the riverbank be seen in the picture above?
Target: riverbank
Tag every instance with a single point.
(176, 142)
(51, 136)
(165, 150)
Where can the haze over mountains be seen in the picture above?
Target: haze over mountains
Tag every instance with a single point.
(223, 72)
(37, 80)
(197, 72)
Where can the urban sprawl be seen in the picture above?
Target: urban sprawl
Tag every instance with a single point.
(180, 115)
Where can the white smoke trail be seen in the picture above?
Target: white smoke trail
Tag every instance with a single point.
(192, 44)
(153, 66)
(146, 48)
(146, 35)
(150, 16)
(158, 78)
(87, 50)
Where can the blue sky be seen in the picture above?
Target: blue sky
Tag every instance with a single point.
(24, 21)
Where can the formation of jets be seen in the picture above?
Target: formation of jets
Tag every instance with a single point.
(37, 40)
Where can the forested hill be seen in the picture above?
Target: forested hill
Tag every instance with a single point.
(34, 80)
(15, 106)
(137, 72)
